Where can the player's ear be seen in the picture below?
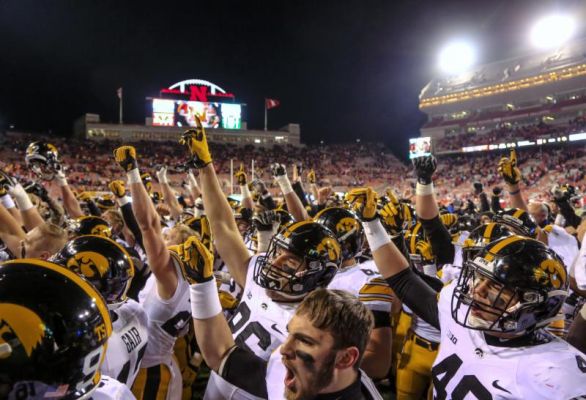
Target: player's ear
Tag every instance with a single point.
(346, 358)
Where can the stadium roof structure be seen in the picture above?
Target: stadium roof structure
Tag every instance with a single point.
(488, 82)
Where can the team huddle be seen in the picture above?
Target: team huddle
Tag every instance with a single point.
(298, 296)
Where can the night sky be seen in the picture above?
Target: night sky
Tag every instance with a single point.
(342, 69)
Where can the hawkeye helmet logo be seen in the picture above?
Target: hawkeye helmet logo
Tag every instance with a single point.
(551, 272)
(346, 225)
(331, 247)
(89, 264)
(19, 326)
(101, 230)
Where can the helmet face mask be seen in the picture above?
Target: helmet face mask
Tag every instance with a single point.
(303, 257)
(514, 286)
(42, 159)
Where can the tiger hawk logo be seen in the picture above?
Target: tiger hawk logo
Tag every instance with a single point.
(20, 328)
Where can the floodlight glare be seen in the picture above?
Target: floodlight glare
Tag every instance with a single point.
(552, 31)
(457, 57)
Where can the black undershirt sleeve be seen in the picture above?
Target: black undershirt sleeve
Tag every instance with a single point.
(94, 210)
(382, 319)
(130, 221)
(417, 295)
(484, 206)
(300, 193)
(245, 370)
(441, 240)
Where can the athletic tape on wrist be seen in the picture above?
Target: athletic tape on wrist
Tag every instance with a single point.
(284, 184)
(123, 200)
(61, 180)
(263, 240)
(7, 201)
(133, 176)
(424, 190)
(22, 200)
(376, 235)
(163, 179)
(245, 191)
(205, 302)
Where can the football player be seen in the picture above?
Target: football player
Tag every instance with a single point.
(364, 282)
(54, 328)
(491, 318)
(320, 357)
(166, 302)
(109, 267)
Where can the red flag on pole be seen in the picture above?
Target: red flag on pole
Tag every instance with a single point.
(271, 103)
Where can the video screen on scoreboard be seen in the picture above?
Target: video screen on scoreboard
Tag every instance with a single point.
(182, 113)
(419, 147)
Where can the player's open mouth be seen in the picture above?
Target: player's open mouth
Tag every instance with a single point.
(290, 379)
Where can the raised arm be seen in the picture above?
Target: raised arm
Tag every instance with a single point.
(28, 212)
(240, 176)
(149, 224)
(70, 202)
(294, 204)
(168, 195)
(227, 239)
(511, 173)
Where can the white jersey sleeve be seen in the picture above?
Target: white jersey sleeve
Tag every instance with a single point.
(111, 389)
(127, 345)
(564, 244)
(579, 266)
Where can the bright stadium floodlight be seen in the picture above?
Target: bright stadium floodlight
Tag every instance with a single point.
(457, 57)
(552, 31)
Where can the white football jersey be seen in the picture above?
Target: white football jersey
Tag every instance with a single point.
(259, 324)
(468, 367)
(365, 282)
(111, 389)
(127, 345)
(578, 269)
(564, 244)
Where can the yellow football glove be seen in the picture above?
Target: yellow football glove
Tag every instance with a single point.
(449, 219)
(196, 142)
(125, 156)
(424, 249)
(206, 233)
(147, 181)
(117, 188)
(508, 169)
(392, 196)
(197, 264)
(240, 176)
(363, 203)
(392, 218)
(311, 178)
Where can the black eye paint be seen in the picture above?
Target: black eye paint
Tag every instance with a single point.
(308, 360)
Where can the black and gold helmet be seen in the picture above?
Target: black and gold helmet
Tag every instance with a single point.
(103, 262)
(345, 226)
(481, 236)
(147, 181)
(105, 201)
(89, 225)
(54, 326)
(43, 159)
(515, 285)
(309, 256)
(519, 221)
(286, 218)
(201, 225)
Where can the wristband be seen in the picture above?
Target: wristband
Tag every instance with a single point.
(123, 200)
(264, 238)
(245, 191)
(284, 184)
(205, 302)
(163, 179)
(424, 190)
(7, 201)
(61, 180)
(376, 235)
(133, 176)
(21, 198)
(515, 192)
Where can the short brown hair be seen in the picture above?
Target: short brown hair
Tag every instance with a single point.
(342, 315)
(54, 237)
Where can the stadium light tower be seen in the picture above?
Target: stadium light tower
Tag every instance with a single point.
(457, 57)
(552, 31)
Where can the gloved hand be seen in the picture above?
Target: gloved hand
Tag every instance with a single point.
(424, 249)
(278, 170)
(197, 264)
(37, 189)
(6, 182)
(363, 202)
(477, 188)
(162, 175)
(508, 169)
(240, 176)
(196, 142)
(497, 191)
(147, 181)
(392, 196)
(125, 156)
(424, 168)
(392, 217)
(117, 188)
(266, 220)
(449, 219)
(311, 178)
(84, 196)
(259, 186)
